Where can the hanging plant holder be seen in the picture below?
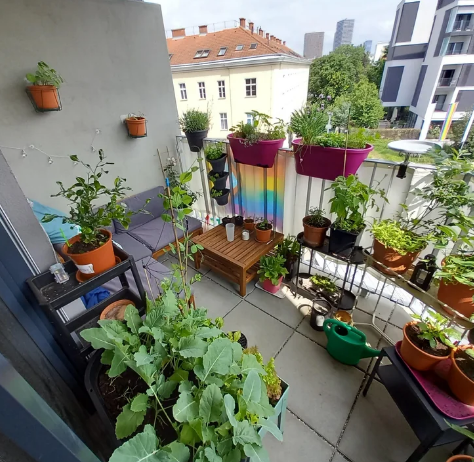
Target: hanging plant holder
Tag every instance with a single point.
(136, 127)
(44, 98)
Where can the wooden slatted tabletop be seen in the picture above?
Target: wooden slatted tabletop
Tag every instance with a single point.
(235, 260)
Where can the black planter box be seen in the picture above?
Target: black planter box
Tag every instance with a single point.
(196, 140)
(218, 165)
(224, 199)
(341, 241)
(221, 182)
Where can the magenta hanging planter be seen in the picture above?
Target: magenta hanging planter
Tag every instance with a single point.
(261, 154)
(327, 163)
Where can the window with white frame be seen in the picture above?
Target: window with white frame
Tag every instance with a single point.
(182, 89)
(202, 90)
(250, 118)
(221, 88)
(224, 124)
(222, 51)
(251, 87)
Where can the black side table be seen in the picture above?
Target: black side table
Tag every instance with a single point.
(427, 422)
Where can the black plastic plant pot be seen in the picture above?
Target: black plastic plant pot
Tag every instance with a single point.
(196, 139)
(341, 242)
(226, 220)
(221, 182)
(239, 220)
(218, 165)
(224, 199)
(318, 314)
(292, 267)
(243, 341)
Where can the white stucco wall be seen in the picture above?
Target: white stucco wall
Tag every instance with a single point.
(114, 59)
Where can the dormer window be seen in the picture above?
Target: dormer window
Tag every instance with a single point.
(253, 46)
(170, 55)
(239, 48)
(202, 54)
(222, 51)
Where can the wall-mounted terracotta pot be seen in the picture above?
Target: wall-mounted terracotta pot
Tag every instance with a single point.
(136, 126)
(44, 96)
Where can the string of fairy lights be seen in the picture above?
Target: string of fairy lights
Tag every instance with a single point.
(25, 151)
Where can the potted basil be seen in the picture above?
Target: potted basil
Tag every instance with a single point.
(257, 143)
(195, 125)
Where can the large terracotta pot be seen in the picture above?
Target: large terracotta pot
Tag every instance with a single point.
(249, 225)
(315, 236)
(457, 296)
(136, 126)
(416, 358)
(44, 96)
(116, 310)
(263, 235)
(461, 385)
(389, 257)
(459, 457)
(101, 259)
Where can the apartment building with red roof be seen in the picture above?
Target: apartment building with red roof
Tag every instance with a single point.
(234, 71)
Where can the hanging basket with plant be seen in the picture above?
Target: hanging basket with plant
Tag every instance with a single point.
(136, 125)
(216, 156)
(92, 249)
(221, 196)
(315, 227)
(271, 272)
(43, 91)
(325, 155)
(195, 125)
(350, 203)
(257, 143)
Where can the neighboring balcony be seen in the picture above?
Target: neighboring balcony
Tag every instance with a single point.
(447, 82)
(462, 25)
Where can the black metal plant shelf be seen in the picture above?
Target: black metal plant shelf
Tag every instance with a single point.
(39, 109)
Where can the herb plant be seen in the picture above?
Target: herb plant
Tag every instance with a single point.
(272, 268)
(82, 196)
(433, 327)
(289, 248)
(316, 218)
(216, 193)
(324, 283)
(458, 269)
(194, 120)
(356, 140)
(262, 129)
(263, 224)
(173, 175)
(350, 203)
(391, 234)
(45, 75)
(213, 151)
(309, 123)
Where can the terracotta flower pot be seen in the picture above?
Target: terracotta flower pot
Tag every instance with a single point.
(459, 457)
(315, 236)
(389, 257)
(250, 225)
(101, 259)
(461, 385)
(414, 357)
(136, 126)
(457, 296)
(44, 96)
(269, 287)
(116, 310)
(263, 235)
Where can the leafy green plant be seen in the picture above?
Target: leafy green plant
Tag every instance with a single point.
(324, 283)
(171, 172)
(316, 218)
(45, 75)
(462, 430)
(194, 120)
(263, 224)
(289, 248)
(357, 140)
(262, 129)
(458, 269)
(350, 203)
(434, 327)
(214, 151)
(272, 268)
(391, 234)
(309, 123)
(84, 193)
(216, 193)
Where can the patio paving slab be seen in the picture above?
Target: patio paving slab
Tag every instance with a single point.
(368, 304)
(259, 328)
(300, 443)
(322, 389)
(229, 285)
(216, 299)
(338, 457)
(284, 309)
(377, 431)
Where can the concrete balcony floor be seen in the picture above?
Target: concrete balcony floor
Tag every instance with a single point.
(328, 419)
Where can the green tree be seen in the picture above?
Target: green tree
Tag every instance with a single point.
(375, 71)
(336, 74)
(366, 107)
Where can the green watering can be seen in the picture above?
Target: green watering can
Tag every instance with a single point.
(347, 344)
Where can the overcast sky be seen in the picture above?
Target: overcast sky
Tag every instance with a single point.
(288, 20)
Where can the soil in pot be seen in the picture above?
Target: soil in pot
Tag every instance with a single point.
(118, 392)
(461, 376)
(457, 296)
(313, 235)
(218, 165)
(249, 224)
(417, 352)
(220, 181)
(264, 235)
(389, 257)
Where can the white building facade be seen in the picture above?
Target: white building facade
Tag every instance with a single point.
(430, 62)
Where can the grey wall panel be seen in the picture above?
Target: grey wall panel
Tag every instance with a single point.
(410, 51)
(392, 84)
(443, 3)
(466, 77)
(394, 27)
(407, 22)
(442, 33)
(419, 85)
(466, 100)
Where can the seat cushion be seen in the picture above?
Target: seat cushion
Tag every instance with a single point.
(157, 234)
(133, 247)
(137, 202)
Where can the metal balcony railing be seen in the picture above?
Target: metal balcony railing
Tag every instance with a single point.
(462, 25)
(447, 82)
